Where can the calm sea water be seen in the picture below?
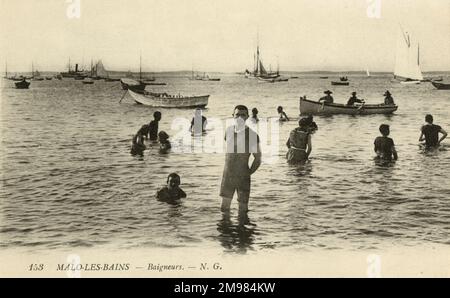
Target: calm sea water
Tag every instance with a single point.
(68, 179)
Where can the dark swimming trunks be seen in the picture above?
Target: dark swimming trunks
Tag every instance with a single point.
(431, 133)
(236, 173)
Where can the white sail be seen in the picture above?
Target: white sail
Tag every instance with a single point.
(101, 71)
(407, 61)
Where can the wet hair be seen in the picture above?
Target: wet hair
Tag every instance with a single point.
(163, 135)
(255, 111)
(241, 108)
(157, 114)
(429, 119)
(173, 175)
(280, 108)
(303, 122)
(384, 129)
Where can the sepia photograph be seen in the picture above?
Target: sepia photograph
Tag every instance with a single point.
(224, 139)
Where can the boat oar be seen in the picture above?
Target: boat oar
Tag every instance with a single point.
(123, 96)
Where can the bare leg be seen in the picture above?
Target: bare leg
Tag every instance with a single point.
(243, 208)
(226, 203)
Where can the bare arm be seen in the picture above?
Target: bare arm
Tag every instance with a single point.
(285, 115)
(422, 137)
(308, 152)
(394, 152)
(256, 161)
(288, 143)
(444, 135)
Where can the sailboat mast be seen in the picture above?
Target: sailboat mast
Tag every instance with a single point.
(6, 69)
(140, 67)
(418, 54)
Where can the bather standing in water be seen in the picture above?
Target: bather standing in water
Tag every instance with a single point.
(198, 123)
(172, 192)
(299, 143)
(384, 146)
(430, 133)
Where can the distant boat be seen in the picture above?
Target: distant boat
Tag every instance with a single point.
(259, 70)
(294, 77)
(48, 78)
(156, 84)
(343, 79)
(441, 86)
(407, 60)
(273, 80)
(22, 84)
(133, 84)
(324, 78)
(205, 77)
(164, 100)
(340, 83)
(77, 73)
(58, 77)
(36, 75)
(308, 107)
(88, 81)
(111, 80)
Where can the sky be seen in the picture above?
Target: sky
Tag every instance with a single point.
(221, 35)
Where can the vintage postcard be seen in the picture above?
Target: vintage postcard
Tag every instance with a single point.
(287, 138)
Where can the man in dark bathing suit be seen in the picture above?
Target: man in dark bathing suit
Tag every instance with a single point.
(241, 142)
(430, 133)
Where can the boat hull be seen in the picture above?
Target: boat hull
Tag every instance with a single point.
(340, 83)
(129, 83)
(308, 107)
(22, 85)
(161, 101)
(441, 86)
(410, 82)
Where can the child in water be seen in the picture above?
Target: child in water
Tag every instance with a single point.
(164, 144)
(137, 145)
(171, 192)
(283, 117)
(384, 146)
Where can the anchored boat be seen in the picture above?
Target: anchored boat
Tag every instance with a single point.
(441, 86)
(308, 107)
(164, 100)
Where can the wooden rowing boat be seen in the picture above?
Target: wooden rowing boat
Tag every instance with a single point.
(441, 86)
(165, 100)
(308, 107)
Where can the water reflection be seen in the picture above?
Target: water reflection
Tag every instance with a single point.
(237, 238)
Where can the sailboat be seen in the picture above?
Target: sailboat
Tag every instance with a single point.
(407, 60)
(367, 72)
(259, 71)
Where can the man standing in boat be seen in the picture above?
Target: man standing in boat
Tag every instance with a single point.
(388, 99)
(327, 98)
(430, 133)
(241, 142)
